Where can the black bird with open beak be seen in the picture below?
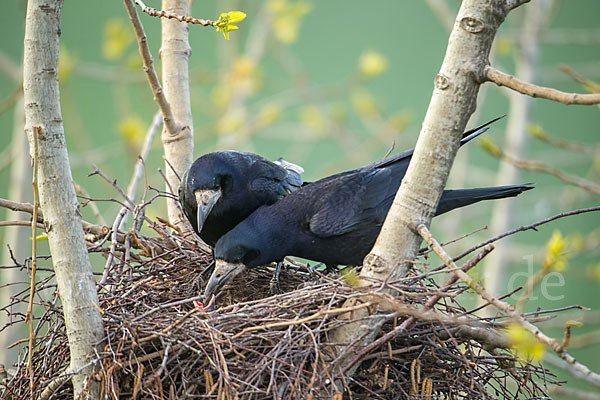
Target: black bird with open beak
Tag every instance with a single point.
(335, 220)
(222, 188)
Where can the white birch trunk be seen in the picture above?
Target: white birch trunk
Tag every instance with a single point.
(452, 103)
(174, 53)
(58, 201)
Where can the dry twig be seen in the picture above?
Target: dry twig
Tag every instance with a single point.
(29, 318)
(575, 368)
(159, 95)
(165, 14)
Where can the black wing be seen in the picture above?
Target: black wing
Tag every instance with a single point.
(351, 202)
(278, 178)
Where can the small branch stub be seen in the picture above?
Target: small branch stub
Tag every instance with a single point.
(471, 24)
(441, 82)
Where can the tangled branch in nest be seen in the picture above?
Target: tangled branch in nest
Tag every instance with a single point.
(257, 345)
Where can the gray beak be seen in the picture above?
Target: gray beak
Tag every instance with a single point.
(223, 273)
(205, 200)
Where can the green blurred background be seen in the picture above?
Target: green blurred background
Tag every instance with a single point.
(331, 85)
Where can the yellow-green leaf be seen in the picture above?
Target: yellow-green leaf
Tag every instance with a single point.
(575, 323)
(133, 129)
(537, 131)
(287, 18)
(226, 21)
(236, 16)
(117, 38)
(350, 276)
(488, 145)
(525, 344)
(364, 103)
(43, 236)
(555, 252)
(371, 64)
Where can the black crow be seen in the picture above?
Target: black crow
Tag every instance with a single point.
(222, 188)
(335, 220)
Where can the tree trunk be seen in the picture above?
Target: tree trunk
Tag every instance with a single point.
(58, 201)
(452, 103)
(174, 54)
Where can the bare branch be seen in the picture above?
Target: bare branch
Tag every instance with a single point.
(502, 79)
(37, 130)
(526, 57)
(165, 14)
(539, 166)
(82, 192)
(531, 284)
(526, 228)
(411, 320)
(96, 230)
(586, 83)
(574, 393)
(586, 148)
(139, 167)
(159, 96)
(575, 367)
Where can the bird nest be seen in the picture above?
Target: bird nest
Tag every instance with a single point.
(266, 338)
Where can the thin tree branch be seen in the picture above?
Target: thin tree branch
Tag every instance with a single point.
(502, 79)
(568, 392)
(139, 167)
(29, 316)
(534, 20)
(539, 166)
(20, 223)
(159, 96)
(96, 230)
(586, 83)
(165, 14)
(526, 228)
(127, 199)
(82, 192)
(586, 148)
(411, 320)
(574, 367)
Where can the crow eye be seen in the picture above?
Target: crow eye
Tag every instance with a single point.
(224, 181)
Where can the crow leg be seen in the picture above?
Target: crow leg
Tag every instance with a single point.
(331, 268)
(275, 287)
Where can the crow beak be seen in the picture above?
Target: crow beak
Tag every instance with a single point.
(205, 200)
(223, 273)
